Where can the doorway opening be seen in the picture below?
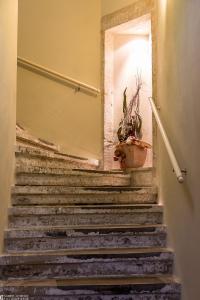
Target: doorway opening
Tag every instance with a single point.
(127, 53)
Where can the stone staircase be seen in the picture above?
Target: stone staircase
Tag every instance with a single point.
(39, 152)
(82, 234)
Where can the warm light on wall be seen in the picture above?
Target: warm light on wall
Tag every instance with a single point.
(163, 4)
(163, 7)
(139, 48)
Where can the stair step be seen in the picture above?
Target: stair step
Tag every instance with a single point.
(46, 176)
(151, 288)
(36, 157)
(85, 215)
(72, 172)
(87, 263)
(37, 239)
(62, 195)
(24, 138)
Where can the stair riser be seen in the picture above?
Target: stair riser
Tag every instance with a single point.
(35, 144)
(101, 268)
(109, 297)
(83, 199)
(128, 294)
(137, 292)
(142, 178)
(144, 296)
(28, 157)
(86, 219)
(40, 179)
(93, 209)
(113, 241)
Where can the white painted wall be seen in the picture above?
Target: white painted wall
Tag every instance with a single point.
(132, 54)
(125, 56)
(179, 99)
(8, 67)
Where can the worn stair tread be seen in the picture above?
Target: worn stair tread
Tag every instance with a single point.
(90, 264)
(48, 154)
(34, 143)
(107, 252)
(33, 156)
(38, 231)
(123, 289)
(139, 206)
(74, 172)
(30, 175)
(61, 195)
(33, 152)
(85, 237)
(59, 190)
(165, 286)
(91, 227)
(37, 152)
(23, 136)
(150, 280)
(89, 209)
(78, 215)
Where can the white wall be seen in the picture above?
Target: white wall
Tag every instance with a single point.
(63, 36)
(132, 54)
(178, 97)
(125, 56)
(8, 66)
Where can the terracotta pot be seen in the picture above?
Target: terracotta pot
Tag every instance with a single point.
(135, 156)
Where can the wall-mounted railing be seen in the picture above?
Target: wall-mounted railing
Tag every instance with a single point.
(62, 79)
(179, 173)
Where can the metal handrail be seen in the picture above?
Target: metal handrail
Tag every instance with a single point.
(177, 169)
(41, 70)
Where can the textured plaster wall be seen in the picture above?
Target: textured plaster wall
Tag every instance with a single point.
(178, 96)
(125, 55)
(8, 67)
(63, 36)
(132, 54)
(137, 10)
(108, 62)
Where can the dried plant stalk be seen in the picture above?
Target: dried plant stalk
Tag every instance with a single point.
(131, 124)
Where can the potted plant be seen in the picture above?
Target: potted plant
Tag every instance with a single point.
(131, 151)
